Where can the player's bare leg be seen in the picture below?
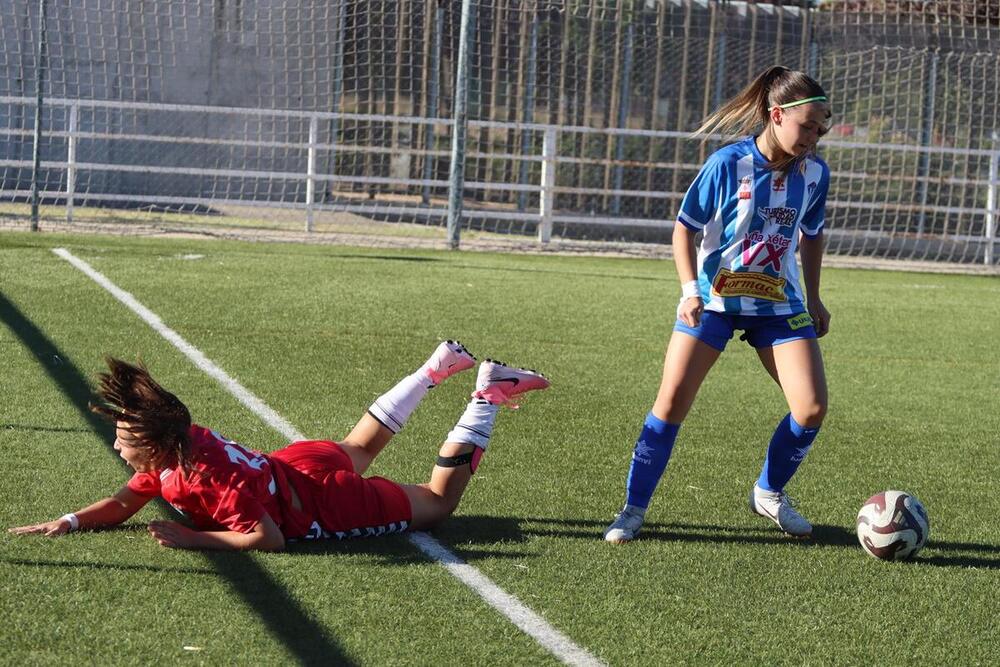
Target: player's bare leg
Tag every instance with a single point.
(799, 365)
(390, 411)
(798, 368)
(458, 458)
(685, 366)
(766, 356)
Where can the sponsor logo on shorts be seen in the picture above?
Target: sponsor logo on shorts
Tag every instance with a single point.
(316, 532)
(748, 283)
(799, 321)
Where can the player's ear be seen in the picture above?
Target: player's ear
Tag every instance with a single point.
(777, 114)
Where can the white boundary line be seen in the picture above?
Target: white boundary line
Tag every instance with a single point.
(561, 646)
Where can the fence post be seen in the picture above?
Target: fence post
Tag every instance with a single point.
(432, 103)
(456, 174)
(547, 195)
(71, 162)
(991, 200)
(528, 109)
(311, 171)
(337, 94)
(926, 138)
(36, 152)
(623, 111)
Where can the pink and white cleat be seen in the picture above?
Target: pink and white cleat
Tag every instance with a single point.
(498, 383)
(449, 358)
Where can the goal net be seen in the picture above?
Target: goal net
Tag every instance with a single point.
(336, 115)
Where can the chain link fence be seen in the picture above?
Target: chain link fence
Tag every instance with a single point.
(326, 114)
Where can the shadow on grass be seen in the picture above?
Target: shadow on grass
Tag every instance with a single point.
(307, 640)
(42, 429)
(462, 535)
(114, 567)
(383, 258)
(956, 554)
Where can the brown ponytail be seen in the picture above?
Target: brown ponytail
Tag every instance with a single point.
(749, 111)
(157, 418)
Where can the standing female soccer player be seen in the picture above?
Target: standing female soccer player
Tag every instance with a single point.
(754, 202)
(238, 498)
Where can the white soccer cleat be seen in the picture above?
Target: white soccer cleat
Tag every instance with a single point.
(498, 383)
(777, 506)
(626, 526)
(449, 358)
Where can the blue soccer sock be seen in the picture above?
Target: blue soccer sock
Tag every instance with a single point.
(649, 460)
(789, 446)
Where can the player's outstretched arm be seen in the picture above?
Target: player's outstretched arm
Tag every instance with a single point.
(105, 512)
(266, 536)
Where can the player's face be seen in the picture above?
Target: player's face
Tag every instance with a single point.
(125, 445)
(799, 129)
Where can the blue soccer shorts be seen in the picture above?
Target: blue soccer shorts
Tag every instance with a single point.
(716, 329)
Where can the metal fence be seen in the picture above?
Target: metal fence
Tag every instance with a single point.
(576, 119)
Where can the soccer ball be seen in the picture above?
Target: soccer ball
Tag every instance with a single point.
(892, 525)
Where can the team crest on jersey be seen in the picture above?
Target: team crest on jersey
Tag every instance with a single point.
(811, 187)
(778, 183)
(748, 283)
(746, 183)
(779, 215)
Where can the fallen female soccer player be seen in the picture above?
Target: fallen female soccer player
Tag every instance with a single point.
(238, 498)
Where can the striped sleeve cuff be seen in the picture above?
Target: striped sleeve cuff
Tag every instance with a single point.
(690, 222)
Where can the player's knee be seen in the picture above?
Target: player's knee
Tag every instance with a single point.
(810, 414)
(672, 406)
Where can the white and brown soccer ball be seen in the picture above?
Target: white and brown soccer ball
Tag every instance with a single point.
(892, 525)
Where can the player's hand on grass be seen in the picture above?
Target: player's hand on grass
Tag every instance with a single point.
(820, 316)
(689, 310)
(173, 535)
(48, 529)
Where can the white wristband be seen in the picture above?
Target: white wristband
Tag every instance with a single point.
(74, 521)
(690, 289)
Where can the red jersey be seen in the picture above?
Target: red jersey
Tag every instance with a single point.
(228, 487)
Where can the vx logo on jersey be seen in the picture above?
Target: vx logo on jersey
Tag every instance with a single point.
(782, 216)
(762, 251)
(643, 452)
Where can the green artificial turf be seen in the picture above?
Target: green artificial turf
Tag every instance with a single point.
(318, 332)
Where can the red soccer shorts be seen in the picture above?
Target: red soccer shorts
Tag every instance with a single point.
(345, 503)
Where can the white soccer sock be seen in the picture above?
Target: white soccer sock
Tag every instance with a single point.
(476, 424)
(395, 406)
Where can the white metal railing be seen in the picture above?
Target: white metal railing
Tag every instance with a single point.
(546, 188)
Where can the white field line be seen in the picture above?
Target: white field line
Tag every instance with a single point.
(561, 646)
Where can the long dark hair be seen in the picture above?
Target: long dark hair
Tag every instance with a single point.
(157, 418)
(750, 109)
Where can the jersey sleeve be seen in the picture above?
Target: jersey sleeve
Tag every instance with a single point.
(815, 215)
(145, 484)
(702, 197)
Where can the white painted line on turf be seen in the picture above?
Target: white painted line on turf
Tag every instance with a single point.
(242, 394)
(531, 623)
(561, 646)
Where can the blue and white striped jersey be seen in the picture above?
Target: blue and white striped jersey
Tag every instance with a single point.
(750, 218)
